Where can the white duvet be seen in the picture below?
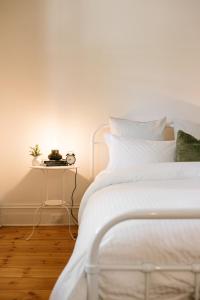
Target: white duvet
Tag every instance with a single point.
(153, 187)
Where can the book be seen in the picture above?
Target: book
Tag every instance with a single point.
(55, 163)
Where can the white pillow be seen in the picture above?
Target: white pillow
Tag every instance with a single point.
(152, 130)
(127, 152)
(188, 127)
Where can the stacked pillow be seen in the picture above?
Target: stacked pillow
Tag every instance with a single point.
(152, 130)
(133, 143)
(187, 141)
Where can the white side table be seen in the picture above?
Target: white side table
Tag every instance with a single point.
(56, 203)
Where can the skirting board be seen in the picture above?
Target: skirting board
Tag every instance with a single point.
(25, 217)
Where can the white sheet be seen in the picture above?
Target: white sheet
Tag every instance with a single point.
(154, 187)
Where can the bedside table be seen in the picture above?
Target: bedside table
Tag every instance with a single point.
(56, 203)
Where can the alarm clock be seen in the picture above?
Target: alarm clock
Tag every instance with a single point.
(70, 158)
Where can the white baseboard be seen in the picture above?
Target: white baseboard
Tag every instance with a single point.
(25, 217)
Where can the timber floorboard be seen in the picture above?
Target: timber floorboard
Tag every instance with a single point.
(29, 269)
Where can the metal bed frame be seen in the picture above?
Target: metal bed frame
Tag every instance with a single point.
(95, 142)
(93, 267)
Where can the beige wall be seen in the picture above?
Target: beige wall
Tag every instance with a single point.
(66, 65)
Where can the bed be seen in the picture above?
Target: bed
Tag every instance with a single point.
(139, 229)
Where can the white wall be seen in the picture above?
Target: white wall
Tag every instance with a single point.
(65, 66)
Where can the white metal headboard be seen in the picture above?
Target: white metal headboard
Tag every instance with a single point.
(95, 141)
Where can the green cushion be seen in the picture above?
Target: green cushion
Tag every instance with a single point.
(187, 147)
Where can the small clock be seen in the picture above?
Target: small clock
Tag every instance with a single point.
(70, 158)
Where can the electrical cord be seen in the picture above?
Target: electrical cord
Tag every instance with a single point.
(72, 199)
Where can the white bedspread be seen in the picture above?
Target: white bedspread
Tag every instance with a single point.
(153, 187)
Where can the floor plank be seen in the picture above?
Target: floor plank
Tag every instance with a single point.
(29, 269)
(41, 233)
(36, 245)
(14, 283)
(25, 295)
(37, 261)
(47, 272)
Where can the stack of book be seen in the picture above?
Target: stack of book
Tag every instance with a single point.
(55, 163)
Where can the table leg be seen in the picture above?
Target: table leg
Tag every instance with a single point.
(38, 209)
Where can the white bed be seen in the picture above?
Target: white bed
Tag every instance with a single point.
(164, 186)
(149, 245)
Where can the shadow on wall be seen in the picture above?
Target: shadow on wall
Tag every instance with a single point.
(145, 109)
(157, 107)
(31, 192)
(31, 189)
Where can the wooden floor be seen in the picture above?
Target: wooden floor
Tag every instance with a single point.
(29, 269)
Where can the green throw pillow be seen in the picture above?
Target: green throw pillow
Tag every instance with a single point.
(187, 147)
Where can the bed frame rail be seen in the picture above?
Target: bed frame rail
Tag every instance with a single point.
(93, 267)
